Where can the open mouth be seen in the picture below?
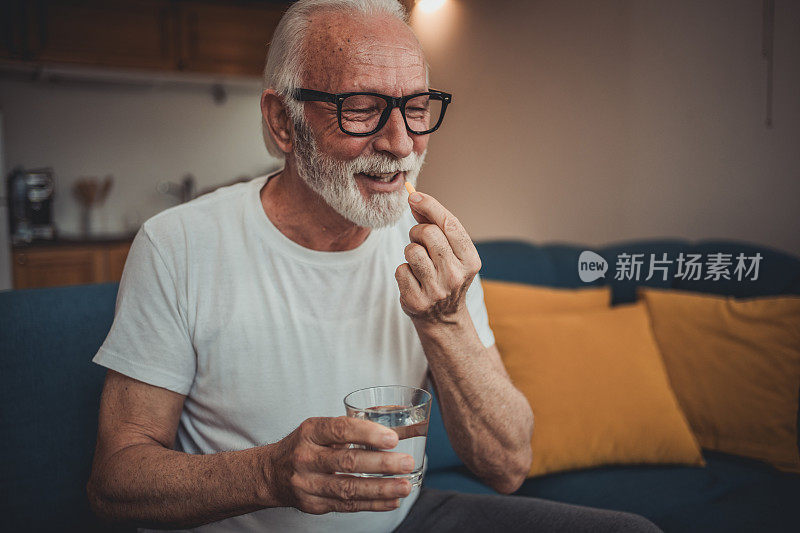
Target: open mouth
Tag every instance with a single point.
(385, 177)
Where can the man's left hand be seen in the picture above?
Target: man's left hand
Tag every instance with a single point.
(442, 261)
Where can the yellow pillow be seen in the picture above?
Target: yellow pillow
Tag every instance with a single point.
(735, 367)
(504, 298)
(597, 387)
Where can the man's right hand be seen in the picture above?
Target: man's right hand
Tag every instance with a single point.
(302, 470)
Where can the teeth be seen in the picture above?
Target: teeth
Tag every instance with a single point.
(384, 176)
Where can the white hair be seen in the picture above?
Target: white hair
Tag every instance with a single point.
(286, 56)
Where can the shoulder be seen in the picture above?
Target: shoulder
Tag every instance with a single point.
(178, 226)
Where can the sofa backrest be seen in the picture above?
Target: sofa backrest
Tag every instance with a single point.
(50, 394)
(556, 265)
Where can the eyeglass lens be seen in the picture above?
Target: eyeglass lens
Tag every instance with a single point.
(362, 113)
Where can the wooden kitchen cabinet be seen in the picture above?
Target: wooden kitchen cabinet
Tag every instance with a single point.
(68, 263)
(13, 31)
(122, 33)
(210, 36)
(117, 254)
(230, 39)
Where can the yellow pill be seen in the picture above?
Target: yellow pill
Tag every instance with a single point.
(410, 188)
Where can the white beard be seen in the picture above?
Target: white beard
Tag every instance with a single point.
(335, 181)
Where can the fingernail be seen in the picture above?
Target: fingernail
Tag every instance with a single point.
(407, 464)
(389, 440)
(416, 197)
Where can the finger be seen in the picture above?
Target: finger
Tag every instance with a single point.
(345, 487)
(413, 299)
(435, 213)
(418, 217)
(357, 461)
(421, 266)
(345, 430)
(421, 219)
(353, 506)
(435, 242)
(408, 284)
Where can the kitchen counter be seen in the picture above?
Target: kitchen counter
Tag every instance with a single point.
(76, 240)
(70, 260)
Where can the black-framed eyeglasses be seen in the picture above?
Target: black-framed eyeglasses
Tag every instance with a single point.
(361, 113)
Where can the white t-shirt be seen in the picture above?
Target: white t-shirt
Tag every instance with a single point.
(261, 333)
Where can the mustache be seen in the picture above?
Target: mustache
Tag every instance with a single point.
(379, 164)
(375, 163)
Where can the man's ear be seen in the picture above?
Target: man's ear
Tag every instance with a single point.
(277, 119)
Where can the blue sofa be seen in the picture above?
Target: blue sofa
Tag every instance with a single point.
(50, 395)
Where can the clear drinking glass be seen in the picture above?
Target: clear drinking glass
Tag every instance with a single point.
(406, 410)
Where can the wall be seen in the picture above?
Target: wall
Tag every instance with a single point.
(140, 135)
(595, 122)
(572, 121)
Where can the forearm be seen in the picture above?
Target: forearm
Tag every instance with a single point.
(149, 485)
(489, 421)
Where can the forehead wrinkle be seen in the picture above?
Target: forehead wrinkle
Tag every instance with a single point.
(383, 55)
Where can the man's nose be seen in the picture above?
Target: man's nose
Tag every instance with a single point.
(393, 137)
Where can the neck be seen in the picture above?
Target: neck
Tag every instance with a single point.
(304, 217)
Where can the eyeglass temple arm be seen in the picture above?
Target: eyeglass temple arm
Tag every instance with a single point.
(446, 97)
(310, 95)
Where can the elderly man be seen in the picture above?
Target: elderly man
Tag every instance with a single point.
(244, 317)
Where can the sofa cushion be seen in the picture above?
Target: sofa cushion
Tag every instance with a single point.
(598, 389)
(735, 367)
(509, 299)
(732, 494)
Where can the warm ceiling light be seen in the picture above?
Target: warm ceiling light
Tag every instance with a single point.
(429, 6)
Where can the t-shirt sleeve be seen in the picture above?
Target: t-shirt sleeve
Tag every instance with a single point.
(149, 338)
(477, 310)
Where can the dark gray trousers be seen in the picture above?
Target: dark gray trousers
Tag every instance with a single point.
(444, 510)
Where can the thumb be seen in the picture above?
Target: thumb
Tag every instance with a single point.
(419, 217)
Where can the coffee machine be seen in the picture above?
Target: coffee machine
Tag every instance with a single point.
(30, 202)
